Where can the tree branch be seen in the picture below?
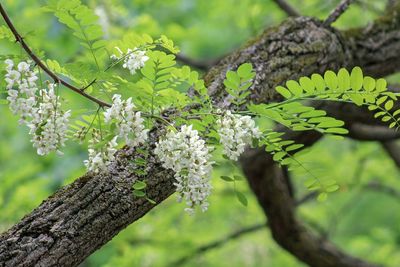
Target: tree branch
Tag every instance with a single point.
(338, 11)
(287, 8)
(81, 217)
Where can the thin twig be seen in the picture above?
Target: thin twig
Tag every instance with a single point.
(235, 235)
(287, 8)
(218, 243)
(40, 64)
(337, 12)
(382, 188)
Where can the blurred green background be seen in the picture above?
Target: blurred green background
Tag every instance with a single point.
(362, 222)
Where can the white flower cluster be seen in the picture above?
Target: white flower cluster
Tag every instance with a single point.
(189, 157)
(21, 88)
(134, 59)
(49, 123)
(100, 158)
(236, 132)
(42, 114)
(128, 122)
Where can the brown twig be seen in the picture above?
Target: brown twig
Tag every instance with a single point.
(246, 230)
(337, 12)
(40, 64)
(382, 188)
(287, 8)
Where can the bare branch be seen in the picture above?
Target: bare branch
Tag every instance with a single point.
(218, 243)
(337, 12)
(287, 8)
(246, 230)
(382, 188)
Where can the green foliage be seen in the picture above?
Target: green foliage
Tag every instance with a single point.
(81, 20)
(5, 33)
(237, 83)
(343, 86)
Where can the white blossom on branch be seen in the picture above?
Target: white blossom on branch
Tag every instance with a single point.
(236, 132)
(134, 59)
(21, 88)
(101, 156)
(129, 124)
(188, 156)
(49, 123)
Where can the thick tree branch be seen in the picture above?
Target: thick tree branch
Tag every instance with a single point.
(81, 217)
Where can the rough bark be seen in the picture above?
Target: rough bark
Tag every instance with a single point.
(81, 217)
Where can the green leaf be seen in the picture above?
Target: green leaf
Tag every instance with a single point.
(138, 193)
(245, 70)
(337, 131)
(294, 87)
(279, 155)
(389, 105)
(139, 185)
(331, 80)
(343, 80)
(283, 91)
(319, 82)
(369, 84)
(307, 85)
(227, 178)
(242, 198)
(381, 85)
(356, 78)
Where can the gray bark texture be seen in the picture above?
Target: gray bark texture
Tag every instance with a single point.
(81, 217)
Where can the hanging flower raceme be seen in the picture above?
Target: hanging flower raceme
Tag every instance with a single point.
(49, 123)
(236, 132)
(21, 88)
(100, 157)
(134, 59)
(189, 157)
(129, 123)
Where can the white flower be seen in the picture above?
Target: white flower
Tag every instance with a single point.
(100, 158)
(21, 88)
(134, 59)
(189, 157)
(129, 123)
(236, 132)
(49, 123)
